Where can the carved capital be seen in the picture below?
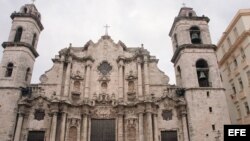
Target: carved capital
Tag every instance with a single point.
(139, 61)
(85, 110)
(120, 111)
(120, 63)
(149, 108)
(140, 109)
(54, 108)
(89, 63)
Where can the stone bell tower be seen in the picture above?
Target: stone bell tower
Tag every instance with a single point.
(197, 71)
(17, 64)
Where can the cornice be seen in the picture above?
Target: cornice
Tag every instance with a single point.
(28, 15)
(232, 48)
(21, 44)
(191, 46)
(179, 18)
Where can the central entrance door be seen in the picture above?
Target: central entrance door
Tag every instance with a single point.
(102, 130)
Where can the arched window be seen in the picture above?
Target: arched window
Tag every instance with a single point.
(202, 73)
(195, 35)
(9, 70)
(27, 74)
(18, 34)
(34, 40)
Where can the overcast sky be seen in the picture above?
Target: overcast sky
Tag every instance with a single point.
(134, 22)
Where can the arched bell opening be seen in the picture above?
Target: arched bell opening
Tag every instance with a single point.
(202, 73)
(195, 35)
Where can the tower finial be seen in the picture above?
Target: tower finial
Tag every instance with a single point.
(106, 29)
(183, 4)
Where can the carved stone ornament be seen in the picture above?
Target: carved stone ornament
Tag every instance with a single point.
(131, 96)
(39, 114)
(104, 79)
(131, 76)
(169, 104)
(167, 115)
(103, 112)
(104, 99)
(104, 68)
(131, 124)
(43, 78)
(74, 122)
(77, 76)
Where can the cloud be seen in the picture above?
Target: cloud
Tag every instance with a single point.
(132, 21)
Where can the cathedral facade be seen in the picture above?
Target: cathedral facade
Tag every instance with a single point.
(106, 91)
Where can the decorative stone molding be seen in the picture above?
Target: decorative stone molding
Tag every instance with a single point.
(104, 79)
(131, 96)
(22, 44)
(104, 68)
(131, 76)
(103, 112)
(104, 99)
(74, 122)
(54, 107)
(39, 114)
(77, 76)
(43, 78)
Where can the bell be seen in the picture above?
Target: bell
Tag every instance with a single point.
(202, 75)
(195, 38)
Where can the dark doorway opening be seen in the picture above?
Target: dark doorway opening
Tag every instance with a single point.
(36, 136)
(169, 136)
(102, 130)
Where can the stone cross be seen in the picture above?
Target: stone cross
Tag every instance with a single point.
(33, 1)
(184, 4)
(106, 29)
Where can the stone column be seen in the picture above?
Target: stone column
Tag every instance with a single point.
(67, 79)
(120, 126)
(150, 129)
(141, 126)
(19, 127)
(140, 93)
(149, 122)
(87, 84)
(89, 129)
(60, 82)
(62, 135)
(79, 131)
(141, 138)
(146, 75)
(53, 127)
(120, 68)
(156, 128)
(84, 134)
(184, 125)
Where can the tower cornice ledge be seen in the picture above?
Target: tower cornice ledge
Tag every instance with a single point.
(29, 15)
(191, 46)
(13, 44)
(177, 19)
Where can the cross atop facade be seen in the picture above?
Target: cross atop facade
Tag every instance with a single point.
(33, 1)
(184, 4)
(106, 29)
